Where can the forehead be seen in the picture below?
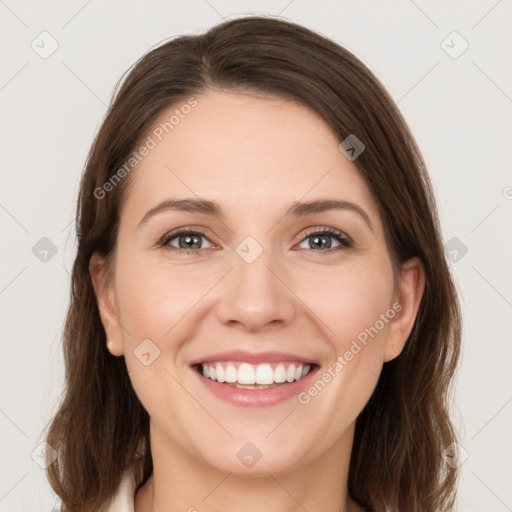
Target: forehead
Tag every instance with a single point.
(250, 153)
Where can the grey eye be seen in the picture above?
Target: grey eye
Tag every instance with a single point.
(187, 241)
(320, 241)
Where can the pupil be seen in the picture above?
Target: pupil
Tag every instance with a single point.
(190, 239)
(316, 239)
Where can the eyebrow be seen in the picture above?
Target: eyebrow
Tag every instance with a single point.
(296, 209)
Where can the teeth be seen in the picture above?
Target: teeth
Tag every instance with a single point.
(231, 374)
(264, 374)
(280, 373)
(247, 375)
(220, 373)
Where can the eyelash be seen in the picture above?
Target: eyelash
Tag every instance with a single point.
(342, 238)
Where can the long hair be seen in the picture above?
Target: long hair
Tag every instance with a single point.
(397, 457)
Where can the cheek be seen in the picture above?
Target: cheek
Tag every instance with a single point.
(352, 305)
(349, 300)
(153, 298)
(155, 304)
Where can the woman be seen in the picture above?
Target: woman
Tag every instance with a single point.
(262, 316)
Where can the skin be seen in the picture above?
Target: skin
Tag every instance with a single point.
(253, 155)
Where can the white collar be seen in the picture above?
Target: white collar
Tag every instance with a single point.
(124, 498)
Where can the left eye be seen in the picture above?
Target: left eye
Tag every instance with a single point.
(322, 240)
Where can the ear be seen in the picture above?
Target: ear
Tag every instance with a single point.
(103, 284)
(408, 298)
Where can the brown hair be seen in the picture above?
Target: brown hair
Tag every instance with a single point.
(397, 456)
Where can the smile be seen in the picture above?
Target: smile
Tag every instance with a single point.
(254, 376)
(255, 385)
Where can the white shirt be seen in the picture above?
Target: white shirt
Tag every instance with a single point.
(124, 498)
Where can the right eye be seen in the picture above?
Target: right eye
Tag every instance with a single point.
(189, 241)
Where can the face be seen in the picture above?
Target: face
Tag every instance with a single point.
(284, 285)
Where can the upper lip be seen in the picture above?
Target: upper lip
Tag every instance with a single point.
(252, 357)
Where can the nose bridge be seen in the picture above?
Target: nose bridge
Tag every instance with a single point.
(256, 295)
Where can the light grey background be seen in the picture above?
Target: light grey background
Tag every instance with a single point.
(459, 110)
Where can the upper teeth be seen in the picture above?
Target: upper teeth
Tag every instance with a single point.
(245, 373)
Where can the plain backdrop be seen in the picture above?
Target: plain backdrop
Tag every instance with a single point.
(446, 64)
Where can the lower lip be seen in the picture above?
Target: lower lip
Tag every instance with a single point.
(256, 397)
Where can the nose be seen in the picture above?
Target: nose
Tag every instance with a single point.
(256, 296)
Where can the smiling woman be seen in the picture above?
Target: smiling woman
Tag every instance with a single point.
(261, 311)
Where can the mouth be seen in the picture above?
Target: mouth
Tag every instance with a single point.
(256, 379)
(255, 385)
(242, 375)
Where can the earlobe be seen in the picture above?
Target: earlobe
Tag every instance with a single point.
(105, 297)
(410, 293)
